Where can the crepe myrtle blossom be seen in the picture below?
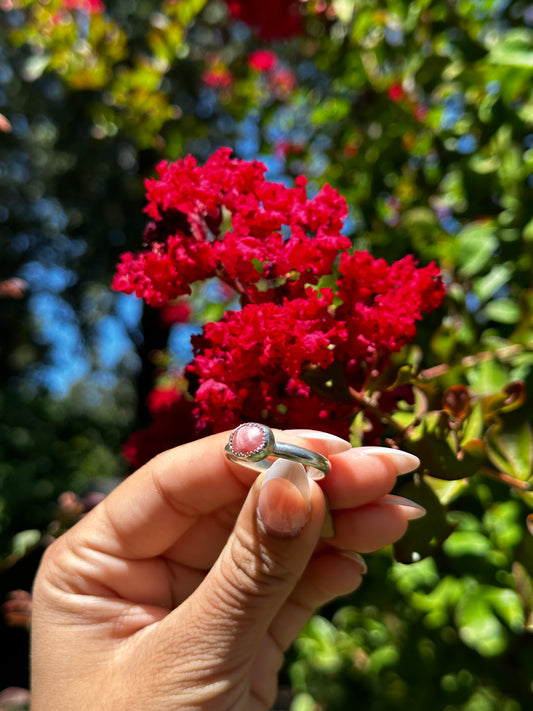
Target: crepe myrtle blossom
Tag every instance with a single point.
(89, 6)
(225, 220)
(317, 320)
(276, 19)
(262, 60)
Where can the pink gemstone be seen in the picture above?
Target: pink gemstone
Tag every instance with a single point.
(247, 439)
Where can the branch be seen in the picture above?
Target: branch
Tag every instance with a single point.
(517, 484)
(504, 353)
(382, 416)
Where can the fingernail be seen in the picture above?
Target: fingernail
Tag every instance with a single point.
(336, 445)
(284, 504)
(412, 509)
(352, 555)
(404, 462)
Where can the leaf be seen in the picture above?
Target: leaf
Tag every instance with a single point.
(514, 49)
(358, 428)
(473, 424)
(392, 377)
(438, 455)
(344, 9)
(330, 381)
(470, 543)
(488, 377)
(510, 446)
(485, 287)
(477, 243)
(23, 541)
(503, 311)
(426, 534)
(446, 491)
(478, 617)
(524, 588)
(35, 66)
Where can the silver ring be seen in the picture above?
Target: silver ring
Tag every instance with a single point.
(251, 444)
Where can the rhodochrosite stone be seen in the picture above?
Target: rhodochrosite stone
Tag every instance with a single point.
(247, 439)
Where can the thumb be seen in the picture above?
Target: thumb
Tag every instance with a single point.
(266, 554)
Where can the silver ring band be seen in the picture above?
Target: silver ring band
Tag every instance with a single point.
(251, 444)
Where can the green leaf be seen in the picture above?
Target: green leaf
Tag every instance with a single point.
(477, 243)
(25, 540)
(485, 287)
(503, 311)
(473, 425)
(426, 534)
(524, 588)
(488, 376)
(514, 49)
(510, 446)
(304, 702)
(446, 491)
(460, 543)
(332, 109)
(344, 9)
(478, 617)
(438, 454)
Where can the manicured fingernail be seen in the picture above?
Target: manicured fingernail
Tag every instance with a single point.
(404, 462)
(335, 444)
(352, 555)
(412, 509)
(284, 504)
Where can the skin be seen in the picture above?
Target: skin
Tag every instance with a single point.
(174, 594)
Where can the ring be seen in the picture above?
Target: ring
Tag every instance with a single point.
(251, 444)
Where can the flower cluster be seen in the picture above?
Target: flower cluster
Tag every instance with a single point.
(262, 60)
(318, 322)
(89, 6)
(280, 18)
(264, 362)
(217, 75)
(224, 219)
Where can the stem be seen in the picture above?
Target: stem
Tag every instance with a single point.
(507, 479)
(504, 353)
(369, 407)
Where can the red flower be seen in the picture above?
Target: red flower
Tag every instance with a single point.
(282, 82)
(396, 92)
(187, 243)
(262, 60)
(250, 364)
(90, 6)
(285, 147)
(171, 313)
(254, 364)
(278, 18)
(217, 77)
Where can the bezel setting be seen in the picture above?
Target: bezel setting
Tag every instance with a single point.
(261, 451)
(259, 455)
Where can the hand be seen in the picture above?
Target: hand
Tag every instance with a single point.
(183, 588)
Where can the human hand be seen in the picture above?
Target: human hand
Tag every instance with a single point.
(183, 588)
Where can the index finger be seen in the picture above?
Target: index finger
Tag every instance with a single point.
(154, 507)
(157, 504)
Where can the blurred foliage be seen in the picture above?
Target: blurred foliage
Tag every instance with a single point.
(48, 447)
(421, 114)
